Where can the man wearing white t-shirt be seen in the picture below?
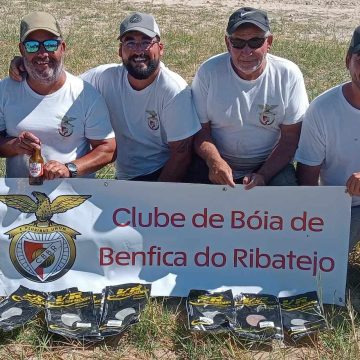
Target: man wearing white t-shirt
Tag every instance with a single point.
(52, 110)
(329, 145)
(150, 106)
(250, 104)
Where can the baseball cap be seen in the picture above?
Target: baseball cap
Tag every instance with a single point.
(355, 41)
(38, 21)
(248, 15)
(145, 23)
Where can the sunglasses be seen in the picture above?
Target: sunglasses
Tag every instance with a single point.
(253, 43)
(143, 45)
(33, 46)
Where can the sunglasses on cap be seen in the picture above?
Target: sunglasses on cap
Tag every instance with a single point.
(33, 46)
(253, 43)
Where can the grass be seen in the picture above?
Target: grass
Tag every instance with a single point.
(191, 35)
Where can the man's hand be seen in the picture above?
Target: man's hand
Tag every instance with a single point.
(252, 180)
(16, 68)
(353, 184)
(220, 172)
(26, 142)
(54, 170)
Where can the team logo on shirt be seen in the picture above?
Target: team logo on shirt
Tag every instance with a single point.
(267, 116)
(42, 251)
(153, 120)
(66, 128)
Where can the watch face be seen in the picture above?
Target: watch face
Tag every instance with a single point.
(72, 167)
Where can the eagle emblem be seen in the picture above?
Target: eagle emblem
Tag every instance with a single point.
(267, 115)
(153, 120)
(66, 128)
(42, 251)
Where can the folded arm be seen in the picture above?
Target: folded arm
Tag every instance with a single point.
(102, 153)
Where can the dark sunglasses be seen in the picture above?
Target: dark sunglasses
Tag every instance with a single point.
(33, 46)
(253, 43)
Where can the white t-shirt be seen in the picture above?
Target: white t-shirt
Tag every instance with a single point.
(245, 116)
(63, 120)
(330, 137)
(145, 121)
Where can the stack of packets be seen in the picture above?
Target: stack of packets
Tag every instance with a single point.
(84, 315)
(255, 317)
(302, 315)
(258, 317)
(20, 307)
(77, 314)
(210, 311)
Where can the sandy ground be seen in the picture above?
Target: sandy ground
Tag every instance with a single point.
(342, 15)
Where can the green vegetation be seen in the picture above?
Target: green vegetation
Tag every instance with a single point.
(191, 35)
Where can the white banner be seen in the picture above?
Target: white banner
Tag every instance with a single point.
(93, 233)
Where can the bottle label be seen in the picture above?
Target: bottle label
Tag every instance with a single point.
(35, 169)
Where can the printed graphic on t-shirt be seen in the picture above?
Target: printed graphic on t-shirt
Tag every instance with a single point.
(267, 116)
(66, 128)
(153, 120)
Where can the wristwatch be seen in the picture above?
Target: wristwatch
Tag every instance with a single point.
(72, 169)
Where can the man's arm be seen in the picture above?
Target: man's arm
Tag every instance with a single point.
(180, 157)
(24, 144)
(16, 68)
(282, 154)
(308, 175)
(219, 170)
(102, 153)
(353, 184)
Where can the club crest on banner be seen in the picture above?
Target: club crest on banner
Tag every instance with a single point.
(42, 251)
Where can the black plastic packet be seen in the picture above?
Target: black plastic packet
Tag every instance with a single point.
(258, 317)
(302, 315)
(20, 307)
(122, 305)
(71, 313)
(97, 299)
(210, 311)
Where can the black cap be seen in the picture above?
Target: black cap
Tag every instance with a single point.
(355, 41)
(248, 15)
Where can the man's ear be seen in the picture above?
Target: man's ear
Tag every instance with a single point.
(120, 50)
(347, 59)
(227, 42)
(21, 49)
(161, 48)
(269, 41)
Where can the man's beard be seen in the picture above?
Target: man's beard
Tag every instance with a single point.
(143, 72)
(47, 76)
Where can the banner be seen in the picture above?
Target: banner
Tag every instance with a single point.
(92, 233)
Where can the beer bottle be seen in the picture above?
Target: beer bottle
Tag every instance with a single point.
(36, 168)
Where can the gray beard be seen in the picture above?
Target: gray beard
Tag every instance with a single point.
(46, 77)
